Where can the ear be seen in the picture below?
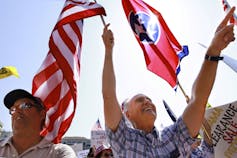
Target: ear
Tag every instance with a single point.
(127, 114)
(43, 114)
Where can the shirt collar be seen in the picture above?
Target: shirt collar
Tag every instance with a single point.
(153, 133)
(43, 143)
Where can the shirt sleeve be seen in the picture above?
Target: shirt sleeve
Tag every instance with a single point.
(117, 139)
(203, 151)
(178, 134)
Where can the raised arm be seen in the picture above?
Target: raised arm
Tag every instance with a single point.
(194, 113)
(112, 111)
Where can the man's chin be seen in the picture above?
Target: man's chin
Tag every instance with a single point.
(151, 113)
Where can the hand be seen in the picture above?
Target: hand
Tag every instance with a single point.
(223, 36)
(108, 38)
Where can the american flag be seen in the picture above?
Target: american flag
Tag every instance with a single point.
(162, 52)
(57, 79)
(97, 126)
(227, 7)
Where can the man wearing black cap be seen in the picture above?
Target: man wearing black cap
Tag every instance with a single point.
(28, 117)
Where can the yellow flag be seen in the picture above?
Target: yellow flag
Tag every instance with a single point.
(208, 105)
(7, 71)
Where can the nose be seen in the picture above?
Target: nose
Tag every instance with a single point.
(147, 100)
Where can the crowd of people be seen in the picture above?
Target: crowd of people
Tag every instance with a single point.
(139, 139)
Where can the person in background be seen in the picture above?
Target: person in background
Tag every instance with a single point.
(144, 140)
(103, 151)
(28, 118)
(91, 152)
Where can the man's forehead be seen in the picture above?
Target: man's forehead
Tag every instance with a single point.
(23, 100)
(137, 96)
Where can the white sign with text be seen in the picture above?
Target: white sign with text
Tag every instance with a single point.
(223, 122)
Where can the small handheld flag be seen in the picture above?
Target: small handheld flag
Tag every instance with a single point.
(227, 7)
(97, 126)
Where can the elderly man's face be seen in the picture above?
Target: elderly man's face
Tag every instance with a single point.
(141, 111)
(25, 116)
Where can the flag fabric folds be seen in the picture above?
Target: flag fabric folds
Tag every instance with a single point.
(232, 63)
(7, 71)
(162, 52)
(170, 112)
(57, 79)
(227, 7)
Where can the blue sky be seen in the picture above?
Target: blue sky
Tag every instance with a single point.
(26, 26)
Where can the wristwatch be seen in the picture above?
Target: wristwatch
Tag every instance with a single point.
(213, 58)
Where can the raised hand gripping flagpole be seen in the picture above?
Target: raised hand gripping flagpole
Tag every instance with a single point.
(101, 17)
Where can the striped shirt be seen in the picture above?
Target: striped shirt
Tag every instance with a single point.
(172, 142)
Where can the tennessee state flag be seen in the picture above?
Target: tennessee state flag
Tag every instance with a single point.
(162, 51)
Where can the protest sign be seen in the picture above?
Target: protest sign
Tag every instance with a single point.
(98, 138)
(223, 122)
(82, 153)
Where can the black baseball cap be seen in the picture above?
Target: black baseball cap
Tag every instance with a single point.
(16, 94)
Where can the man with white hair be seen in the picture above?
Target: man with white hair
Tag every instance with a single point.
(144, 140)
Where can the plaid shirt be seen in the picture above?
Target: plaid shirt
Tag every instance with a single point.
(203, 151)
(172, 142)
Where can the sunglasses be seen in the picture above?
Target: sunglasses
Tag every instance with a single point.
(22, 106)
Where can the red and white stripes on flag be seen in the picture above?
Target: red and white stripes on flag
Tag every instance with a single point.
(57, 79)
(227, 7)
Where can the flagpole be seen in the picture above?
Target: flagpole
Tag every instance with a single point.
(187, 100)
(101, 17)
(182, 90)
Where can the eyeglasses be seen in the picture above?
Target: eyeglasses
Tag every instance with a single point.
(107, 155)
(22, 106)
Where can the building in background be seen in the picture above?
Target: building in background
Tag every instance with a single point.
(5, 134)
(77, 143)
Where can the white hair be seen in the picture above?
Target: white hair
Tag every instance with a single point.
(124, 108)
